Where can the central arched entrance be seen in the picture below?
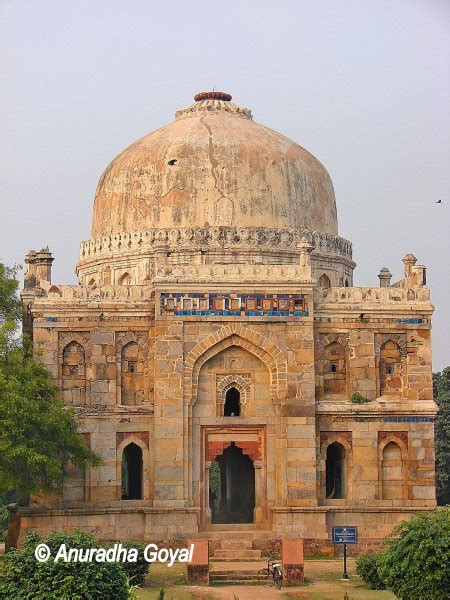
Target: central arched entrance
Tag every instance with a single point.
(232, 487)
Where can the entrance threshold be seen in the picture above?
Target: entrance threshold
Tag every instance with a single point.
(235, 527)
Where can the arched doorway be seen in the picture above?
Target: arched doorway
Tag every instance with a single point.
(232, 406)
(132, 472)
(232, 487)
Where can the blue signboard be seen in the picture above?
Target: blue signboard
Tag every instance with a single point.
(346, 534)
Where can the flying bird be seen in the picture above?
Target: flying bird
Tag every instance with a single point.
(439, 201)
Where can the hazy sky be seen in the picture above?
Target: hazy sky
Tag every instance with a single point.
(362, 85)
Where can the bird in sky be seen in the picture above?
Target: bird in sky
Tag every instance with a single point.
(439, 201)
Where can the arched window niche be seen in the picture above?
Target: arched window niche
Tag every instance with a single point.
(124, 279)
(132, 472)
(232, 405)
(335, 472)
(324, 281)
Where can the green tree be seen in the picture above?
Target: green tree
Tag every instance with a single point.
(38, 437)
(415, 564)
(441, 391)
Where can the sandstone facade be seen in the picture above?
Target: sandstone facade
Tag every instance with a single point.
(211, 365)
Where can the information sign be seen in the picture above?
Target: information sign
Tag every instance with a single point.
(347, 534)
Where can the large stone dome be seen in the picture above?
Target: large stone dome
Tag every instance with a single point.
(214, 166)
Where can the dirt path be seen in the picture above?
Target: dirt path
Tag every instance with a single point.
(242, 592)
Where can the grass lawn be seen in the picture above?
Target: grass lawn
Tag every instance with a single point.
(323, 582)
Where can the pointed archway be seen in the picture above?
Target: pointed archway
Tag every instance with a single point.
(232, 487)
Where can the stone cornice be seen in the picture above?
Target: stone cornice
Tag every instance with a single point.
(286, 275)
(101, 411)
(376, 409)
(355, 298)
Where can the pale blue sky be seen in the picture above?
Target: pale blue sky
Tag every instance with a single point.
(362, 85)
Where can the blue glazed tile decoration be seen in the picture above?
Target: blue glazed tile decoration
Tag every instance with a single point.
(223, 305)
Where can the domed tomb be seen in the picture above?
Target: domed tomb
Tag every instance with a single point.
(212, 167)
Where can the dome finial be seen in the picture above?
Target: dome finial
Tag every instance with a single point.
(212, 96)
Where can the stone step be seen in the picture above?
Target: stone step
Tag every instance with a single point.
(231, 534)
(234, 582)
(234, 527)
(234, 577)
(235, 573)
(237, 554)
(213, 559)
(236, 544)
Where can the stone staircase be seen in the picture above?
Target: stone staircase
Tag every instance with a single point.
(235, 562)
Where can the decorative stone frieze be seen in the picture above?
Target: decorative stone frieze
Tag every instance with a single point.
(237, 273)
(232, 238)
(362, 296)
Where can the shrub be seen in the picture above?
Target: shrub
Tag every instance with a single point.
(136, 571)
(23, 577)
(416, 560)
(367, 569)
(359, 399)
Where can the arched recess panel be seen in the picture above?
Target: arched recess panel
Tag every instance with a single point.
(392, 472)
(324, 281)
(131, 374)
(106, 276)
(74, 373)
(334, 369)
(390, 367)
(134, 379)
(124, 279)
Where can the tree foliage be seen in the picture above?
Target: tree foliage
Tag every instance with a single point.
(23, 577)
(441, 391)
(38, 437)
(367, 569)
(416, 560)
